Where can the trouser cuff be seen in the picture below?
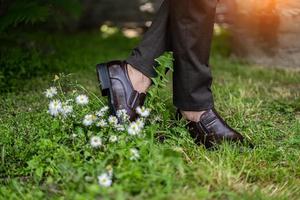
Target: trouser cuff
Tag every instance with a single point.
(146, 70)
(199, 107)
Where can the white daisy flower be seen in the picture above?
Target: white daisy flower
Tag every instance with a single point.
(66, 110)
(113, 138)
(55, 107)
(135, 155)
(89, 119)
(82, 99)
(101, 123)
(105, 180)
(119, 127)
(112, 120)
(96, 141)
(48, 94)
(122, 114)
(133, 129)
(140, 123)
(142, 111)
(100, 113)
(51, 92)
(104, 109)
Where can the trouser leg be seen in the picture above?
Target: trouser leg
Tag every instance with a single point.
(154, 43)
(191, 25)
(184, 27)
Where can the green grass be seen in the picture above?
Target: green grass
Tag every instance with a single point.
(39, 159)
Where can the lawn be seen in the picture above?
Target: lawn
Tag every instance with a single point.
(45, 158)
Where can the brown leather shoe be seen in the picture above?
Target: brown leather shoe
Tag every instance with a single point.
(115, 83)
(211, 129)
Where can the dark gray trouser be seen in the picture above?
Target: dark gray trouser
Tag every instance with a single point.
(184, 27)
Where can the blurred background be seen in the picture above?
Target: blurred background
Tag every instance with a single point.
(39, 37)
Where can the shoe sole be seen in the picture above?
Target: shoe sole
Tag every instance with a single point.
(105, 84)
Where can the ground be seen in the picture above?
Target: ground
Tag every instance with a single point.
(40, 160)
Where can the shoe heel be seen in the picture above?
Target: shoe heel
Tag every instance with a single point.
(103, 78)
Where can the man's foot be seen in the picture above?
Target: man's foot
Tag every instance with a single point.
(193, 116)
(210, 129)
(116, 84)
(139, 81)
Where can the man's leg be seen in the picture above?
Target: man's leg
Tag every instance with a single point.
(154, 43)
(191, 25)
(184, 27)
(126, 83)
